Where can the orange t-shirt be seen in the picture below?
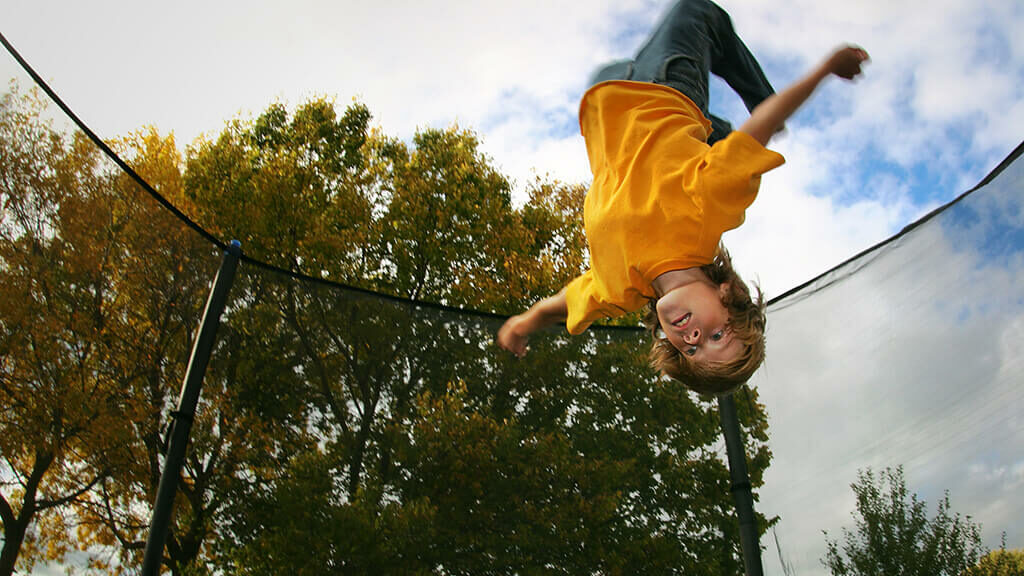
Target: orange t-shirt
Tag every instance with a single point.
(661, 197)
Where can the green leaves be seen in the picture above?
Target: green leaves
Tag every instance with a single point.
(895, 536)
(1000, 562)
(339, 431)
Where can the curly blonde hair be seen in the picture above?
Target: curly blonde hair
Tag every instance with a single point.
(746, 321)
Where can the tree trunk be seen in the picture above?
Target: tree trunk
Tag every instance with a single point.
(15, 528)
(14, 535)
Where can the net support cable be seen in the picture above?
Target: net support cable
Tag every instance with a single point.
(906, 229)
(224, 246)
(422, 303)
(436, 305)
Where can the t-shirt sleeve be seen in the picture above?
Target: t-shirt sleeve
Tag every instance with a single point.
(730, 173)
(583, 305)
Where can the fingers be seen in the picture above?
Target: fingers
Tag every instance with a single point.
(510, 340)
(860, 57)
(518, 349)
(847, 61)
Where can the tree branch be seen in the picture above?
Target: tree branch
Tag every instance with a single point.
(45, 504)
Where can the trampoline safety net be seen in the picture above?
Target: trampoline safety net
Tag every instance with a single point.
(908, 355)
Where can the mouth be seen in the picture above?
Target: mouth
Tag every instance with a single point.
(682, 321)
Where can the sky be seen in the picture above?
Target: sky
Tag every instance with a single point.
(939, 106)
(910, 357)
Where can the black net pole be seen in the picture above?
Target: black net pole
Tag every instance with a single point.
(181, 424)
(740, 486)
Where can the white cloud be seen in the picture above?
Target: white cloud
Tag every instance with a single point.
(798, 228)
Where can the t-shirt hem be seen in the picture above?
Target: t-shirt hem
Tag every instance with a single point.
(691, 106)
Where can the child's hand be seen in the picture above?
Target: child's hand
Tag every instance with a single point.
(846, 62)
(515, 333)
(514, 336)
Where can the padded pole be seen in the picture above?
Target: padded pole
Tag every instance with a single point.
(740, 488)
(181, 423)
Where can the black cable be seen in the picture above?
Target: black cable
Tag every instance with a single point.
(906, 229)
(409, 301)
(223, 245)
(106, 149)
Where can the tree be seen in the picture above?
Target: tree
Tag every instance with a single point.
(1000, 562)
(161, 280)
(58, 400)
(432, 452)
(296, 190)
(339, 430)
(101, 289)
(895, 536)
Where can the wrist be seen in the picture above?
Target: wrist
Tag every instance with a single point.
(822, 71)
(538, 320)
(529, 322)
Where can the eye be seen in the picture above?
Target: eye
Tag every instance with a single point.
(718, 335)
(690, 351)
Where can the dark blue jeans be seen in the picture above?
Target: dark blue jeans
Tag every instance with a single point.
(694, 39)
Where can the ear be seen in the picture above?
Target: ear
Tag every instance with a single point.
(724, 290)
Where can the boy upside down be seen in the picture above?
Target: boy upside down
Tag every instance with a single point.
(669, 180)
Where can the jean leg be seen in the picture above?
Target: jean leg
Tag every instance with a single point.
(733, 62)
(678, 53)
(618, 70)
(695, 38)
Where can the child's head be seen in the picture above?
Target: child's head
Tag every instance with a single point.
(722, 344)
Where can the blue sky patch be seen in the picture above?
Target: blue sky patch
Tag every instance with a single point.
(991, 220)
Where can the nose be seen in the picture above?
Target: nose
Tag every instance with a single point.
(692, 336)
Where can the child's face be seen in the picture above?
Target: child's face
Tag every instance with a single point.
(694, 321)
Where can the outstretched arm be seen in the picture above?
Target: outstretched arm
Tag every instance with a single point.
(769, 116)
(515, 333)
